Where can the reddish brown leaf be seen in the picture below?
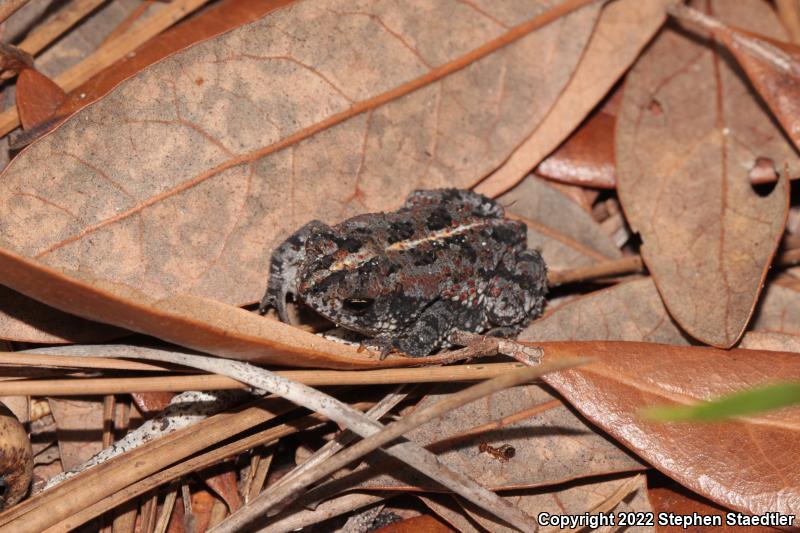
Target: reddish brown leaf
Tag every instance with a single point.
(222, 480)
(203, 503)
(513, 418)
(37, 97)
(587, 157)
(623, 30)
(184, 178)
(688, 131)
(747, 465)
(672, 498)
(151, 403)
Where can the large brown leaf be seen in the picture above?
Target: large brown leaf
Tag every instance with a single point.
(22, 319)
(688, 131)
(748, 464)
(184, 178)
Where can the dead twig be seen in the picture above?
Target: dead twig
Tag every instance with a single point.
(209, 382)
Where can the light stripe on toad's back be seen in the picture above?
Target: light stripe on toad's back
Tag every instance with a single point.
(359, 258)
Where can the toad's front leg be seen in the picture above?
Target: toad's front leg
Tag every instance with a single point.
(430, 331)
(284, 266)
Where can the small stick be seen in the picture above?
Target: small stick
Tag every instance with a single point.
(771, 54)
(108, 420)
(633, 264)
(267, 500)
(324, 511)
(209, 382)
(72, 361)
(260, 474)
(626, 265)
(166, 510)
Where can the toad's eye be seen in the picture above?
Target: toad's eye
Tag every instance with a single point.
(358, 305)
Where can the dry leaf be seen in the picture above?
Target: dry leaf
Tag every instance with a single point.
(449, 510)
(185, 177)
(550, 444)
(688, 132)
(37, 97)
(748, 465)
(79, 426)
(587, 157)
(779, 309)
(218, 18)
(672, 498)
(222, 480)
(200, 323)
(770, 340)
(151, 403)
(23, 319)
(631, 311)
(624, 28)
(555, 221)
(772, 65)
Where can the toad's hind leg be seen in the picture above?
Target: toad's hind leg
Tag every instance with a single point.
(478, 204)
(516, 291)
(283, 269)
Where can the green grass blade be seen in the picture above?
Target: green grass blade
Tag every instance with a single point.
(742, 403)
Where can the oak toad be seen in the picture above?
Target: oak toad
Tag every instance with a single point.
(447, 260)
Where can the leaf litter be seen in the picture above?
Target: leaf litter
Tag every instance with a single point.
(150, 198)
